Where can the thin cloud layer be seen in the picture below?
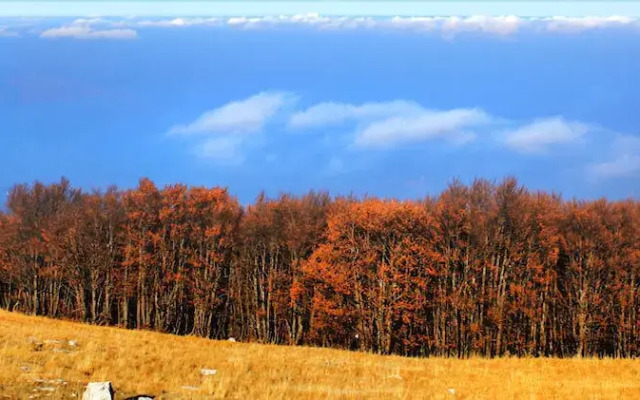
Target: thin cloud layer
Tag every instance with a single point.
(627, 165)
(454, 125)
(178, 22)
(624, 159)
(4, 32)
(86, 29)
(238, 117)
(577, 25)
(328, 114)
(224, 149)
(540, 135)
(386, 124)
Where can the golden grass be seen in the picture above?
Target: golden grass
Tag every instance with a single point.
(140, 362)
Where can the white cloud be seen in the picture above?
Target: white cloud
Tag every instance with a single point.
(456, 125)
(239, 117)
(385, 124)
(79, 32)
(84, 29)
(229, 129)
(4, 32)
(325, 114)
(626, 143)
(310, 20)
(626, 165)
(89, 21)
(224, 149)
(417, 24)
(538, 136)
(177, 22)
(624, 159)
(502, 26)
(576, 25)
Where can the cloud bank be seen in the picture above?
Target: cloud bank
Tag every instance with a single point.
(448, 27)
(224, 132)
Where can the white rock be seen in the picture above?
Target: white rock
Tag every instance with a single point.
(98, 391)
(207, 372)
(72, 343)
(452, 391)
(231, 339)
(396, 376)
(57, 350)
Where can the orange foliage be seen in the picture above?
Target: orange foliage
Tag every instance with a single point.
(488, 269)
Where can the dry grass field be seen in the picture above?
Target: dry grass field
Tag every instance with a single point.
(38, 361)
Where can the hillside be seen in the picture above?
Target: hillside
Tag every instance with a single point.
(37, 360)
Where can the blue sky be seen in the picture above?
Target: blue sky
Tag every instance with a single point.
(384, 105)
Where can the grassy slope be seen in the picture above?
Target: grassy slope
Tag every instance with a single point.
(146, 362)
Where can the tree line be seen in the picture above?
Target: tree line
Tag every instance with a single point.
(481, 269)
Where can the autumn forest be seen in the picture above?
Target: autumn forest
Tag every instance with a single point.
(486, 269)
